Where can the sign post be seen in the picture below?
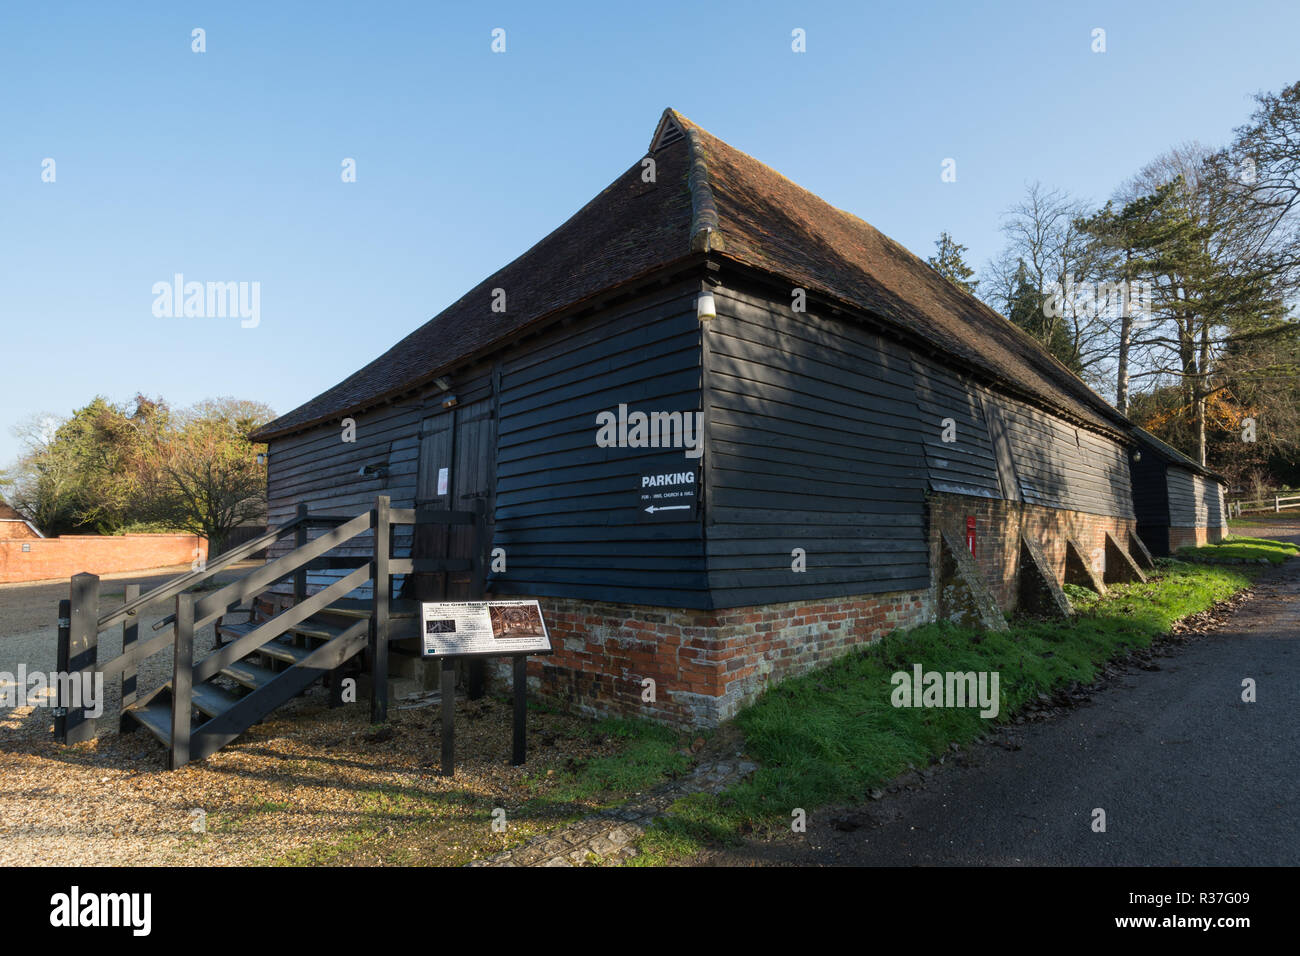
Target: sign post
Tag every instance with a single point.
(475, 630)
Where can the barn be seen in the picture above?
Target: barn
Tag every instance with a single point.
(1179, 502)
(723, 432)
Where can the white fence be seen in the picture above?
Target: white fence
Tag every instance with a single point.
(1276, 504)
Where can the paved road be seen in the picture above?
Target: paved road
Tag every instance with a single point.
(1186, 772)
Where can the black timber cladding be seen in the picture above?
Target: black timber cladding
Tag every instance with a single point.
(319, 469)
(1059, 465)
(1195, 501)
(823, 435)
(967, 465)
(814, 443)
(1151, 501)
(566, 511)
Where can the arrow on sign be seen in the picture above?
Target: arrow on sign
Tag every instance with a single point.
(652, 509)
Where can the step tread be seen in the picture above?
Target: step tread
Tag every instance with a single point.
(250, 675)
(156, 718)
(284, 652)
(317, 625)
(212, 700)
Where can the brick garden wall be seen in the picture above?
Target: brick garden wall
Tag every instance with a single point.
(64, 556)
(998, 526)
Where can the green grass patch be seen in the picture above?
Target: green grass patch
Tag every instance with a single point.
(648, 755)
(1235, 548)
(832, 735)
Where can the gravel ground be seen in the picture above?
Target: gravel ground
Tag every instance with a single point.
(310, 785)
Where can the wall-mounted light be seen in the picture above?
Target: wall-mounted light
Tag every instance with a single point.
(261, 458)
(444, 384)
(451, 401)
(1137, 455)
(705, 308)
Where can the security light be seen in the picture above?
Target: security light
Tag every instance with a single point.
(704, 307)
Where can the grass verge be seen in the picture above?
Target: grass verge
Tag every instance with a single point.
(1235, 548)
(832, 735)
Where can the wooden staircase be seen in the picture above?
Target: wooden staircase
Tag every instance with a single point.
(257, 666)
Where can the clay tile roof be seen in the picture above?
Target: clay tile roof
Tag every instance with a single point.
(712, 197)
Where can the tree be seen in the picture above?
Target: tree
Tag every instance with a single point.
(1131, 244)
(109, 467)
(1048, 253)
(202, 474)
(950, 264)
(1025, 310)
(1219, 281)
(77, 474)
(42, 482)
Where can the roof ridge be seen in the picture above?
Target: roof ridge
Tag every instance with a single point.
(706, 230)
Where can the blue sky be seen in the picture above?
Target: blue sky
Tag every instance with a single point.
(225, 165)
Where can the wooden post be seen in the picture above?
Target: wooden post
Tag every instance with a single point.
(448, 716)
(382, 585)
(130, 632)
(63, 650)
(478, 588)
(299, 539)
(182, 682)
(519, 752)
(80, 654)
(1277, 505)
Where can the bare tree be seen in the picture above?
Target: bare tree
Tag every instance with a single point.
(1047, 249)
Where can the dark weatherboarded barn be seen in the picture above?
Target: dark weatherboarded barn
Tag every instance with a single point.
(859, 416)
(1178, 501)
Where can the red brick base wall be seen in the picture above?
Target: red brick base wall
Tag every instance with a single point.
(1193, 537)
(69, 554)
(998, 526)
(705, 664)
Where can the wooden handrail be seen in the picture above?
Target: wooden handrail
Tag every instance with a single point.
(269, 631)
(80, 623)
(212, 606)
(169, 589)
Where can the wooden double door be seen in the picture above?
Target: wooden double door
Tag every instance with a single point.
(457, 465)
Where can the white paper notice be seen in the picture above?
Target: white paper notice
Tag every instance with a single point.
(442, 481)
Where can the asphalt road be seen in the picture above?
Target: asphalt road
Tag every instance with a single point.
(1187, 773)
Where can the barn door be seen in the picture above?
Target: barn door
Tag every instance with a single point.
(457, 463)
(474, 466)
(433, 488)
